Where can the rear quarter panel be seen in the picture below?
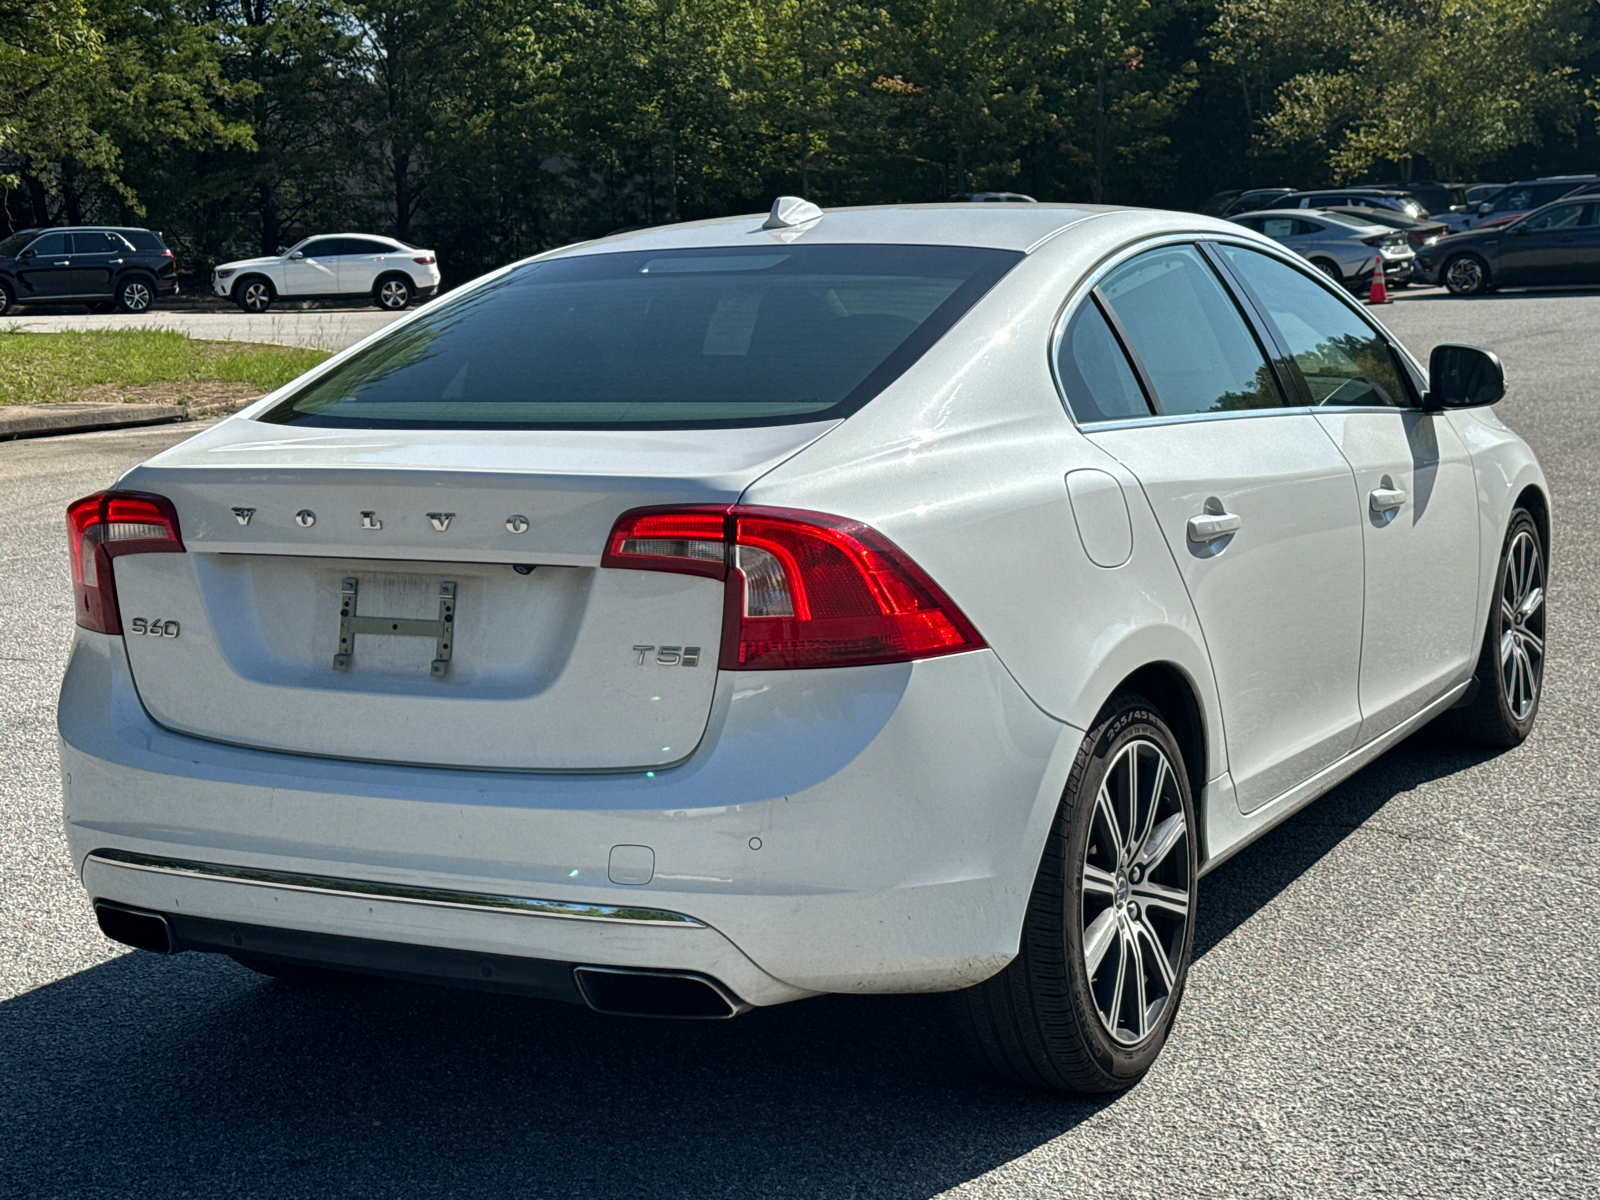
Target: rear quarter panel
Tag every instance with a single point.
(962, 463)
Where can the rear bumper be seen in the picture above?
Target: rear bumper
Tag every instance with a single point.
(864, 830)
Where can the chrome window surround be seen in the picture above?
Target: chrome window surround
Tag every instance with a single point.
(1080, 295)
(325, 885)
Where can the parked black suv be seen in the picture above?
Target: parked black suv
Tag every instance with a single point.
(104, 266)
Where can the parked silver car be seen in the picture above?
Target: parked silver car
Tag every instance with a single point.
(1344, 248)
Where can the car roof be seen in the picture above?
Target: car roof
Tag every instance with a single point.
(1018, 227)
(1353, 191)
(1341, 219)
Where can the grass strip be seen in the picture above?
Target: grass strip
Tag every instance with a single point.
(104, 364)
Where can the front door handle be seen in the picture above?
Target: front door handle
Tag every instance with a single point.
(68, 263)
(116, 262)
(1386, 499)
(1208, 527)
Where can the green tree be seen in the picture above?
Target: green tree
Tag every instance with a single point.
(1454, 82)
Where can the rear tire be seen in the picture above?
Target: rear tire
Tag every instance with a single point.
(392, 293)
(1466, 275)
(254, 294)
(1090, 998)
(1329, 268)
(135, 296)
(1509, 681)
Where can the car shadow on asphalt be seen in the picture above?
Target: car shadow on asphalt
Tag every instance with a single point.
(189, 1075)
(1243, 885)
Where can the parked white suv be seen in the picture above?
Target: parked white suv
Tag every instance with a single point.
(330, 268)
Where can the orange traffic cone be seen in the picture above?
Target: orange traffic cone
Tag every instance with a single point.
(1378, 293)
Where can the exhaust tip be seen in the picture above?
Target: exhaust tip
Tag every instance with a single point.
(136, 928)
(620, 992)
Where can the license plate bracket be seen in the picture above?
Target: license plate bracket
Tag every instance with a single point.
(442, 630)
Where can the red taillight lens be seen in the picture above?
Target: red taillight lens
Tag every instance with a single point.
(104, 526)
(427, 260)
(805, 589)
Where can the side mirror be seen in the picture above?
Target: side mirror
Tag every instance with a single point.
(1463, 377)
(297, 256)
(1520, 231)
(25, 256)
(1485, 208)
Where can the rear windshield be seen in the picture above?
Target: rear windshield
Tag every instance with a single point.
(704, 338)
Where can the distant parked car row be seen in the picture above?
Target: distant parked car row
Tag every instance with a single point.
(1457, 207)
(115, 268)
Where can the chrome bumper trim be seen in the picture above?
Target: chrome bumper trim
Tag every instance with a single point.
(361, 889)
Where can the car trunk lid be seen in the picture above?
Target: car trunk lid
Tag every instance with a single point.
(433, 597)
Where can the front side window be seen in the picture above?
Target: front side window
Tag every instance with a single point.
(52, 245)
(1344, 360)
(1565, 216)
(1196, 350)
(660, 339)
(320, 248)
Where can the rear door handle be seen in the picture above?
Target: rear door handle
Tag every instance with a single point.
(1208, 527)
(1386, 499)
(68, 263)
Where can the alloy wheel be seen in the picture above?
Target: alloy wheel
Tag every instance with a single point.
(1522, 624)
(394, 294)
(135, 297)
(1135, 892)
(1465, 275)
(257, 296)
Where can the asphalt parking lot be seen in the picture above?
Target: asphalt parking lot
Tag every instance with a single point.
(1397, 993)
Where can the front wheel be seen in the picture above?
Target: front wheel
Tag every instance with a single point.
(1510, 676)
(392, 293)
(1466, 275)
(1090, 998)
(135, 296)
(254, 295)
(5, 298)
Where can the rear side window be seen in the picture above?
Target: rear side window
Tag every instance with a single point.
(1196, 351)
(1094, 371)
(145, 241)
(705, 338)
(364, 246)
(1279, 227)
(1343, 359)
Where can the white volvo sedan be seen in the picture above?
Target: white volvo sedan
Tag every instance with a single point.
(880, 600)
(388, 272)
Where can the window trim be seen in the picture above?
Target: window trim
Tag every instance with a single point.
(1081, 292)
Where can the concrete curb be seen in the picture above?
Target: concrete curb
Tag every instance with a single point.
(46, 420)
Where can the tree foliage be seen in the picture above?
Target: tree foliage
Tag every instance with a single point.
(490, 129)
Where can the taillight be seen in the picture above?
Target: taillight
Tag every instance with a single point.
(803, 589)
(427, 260)
(105, 526)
